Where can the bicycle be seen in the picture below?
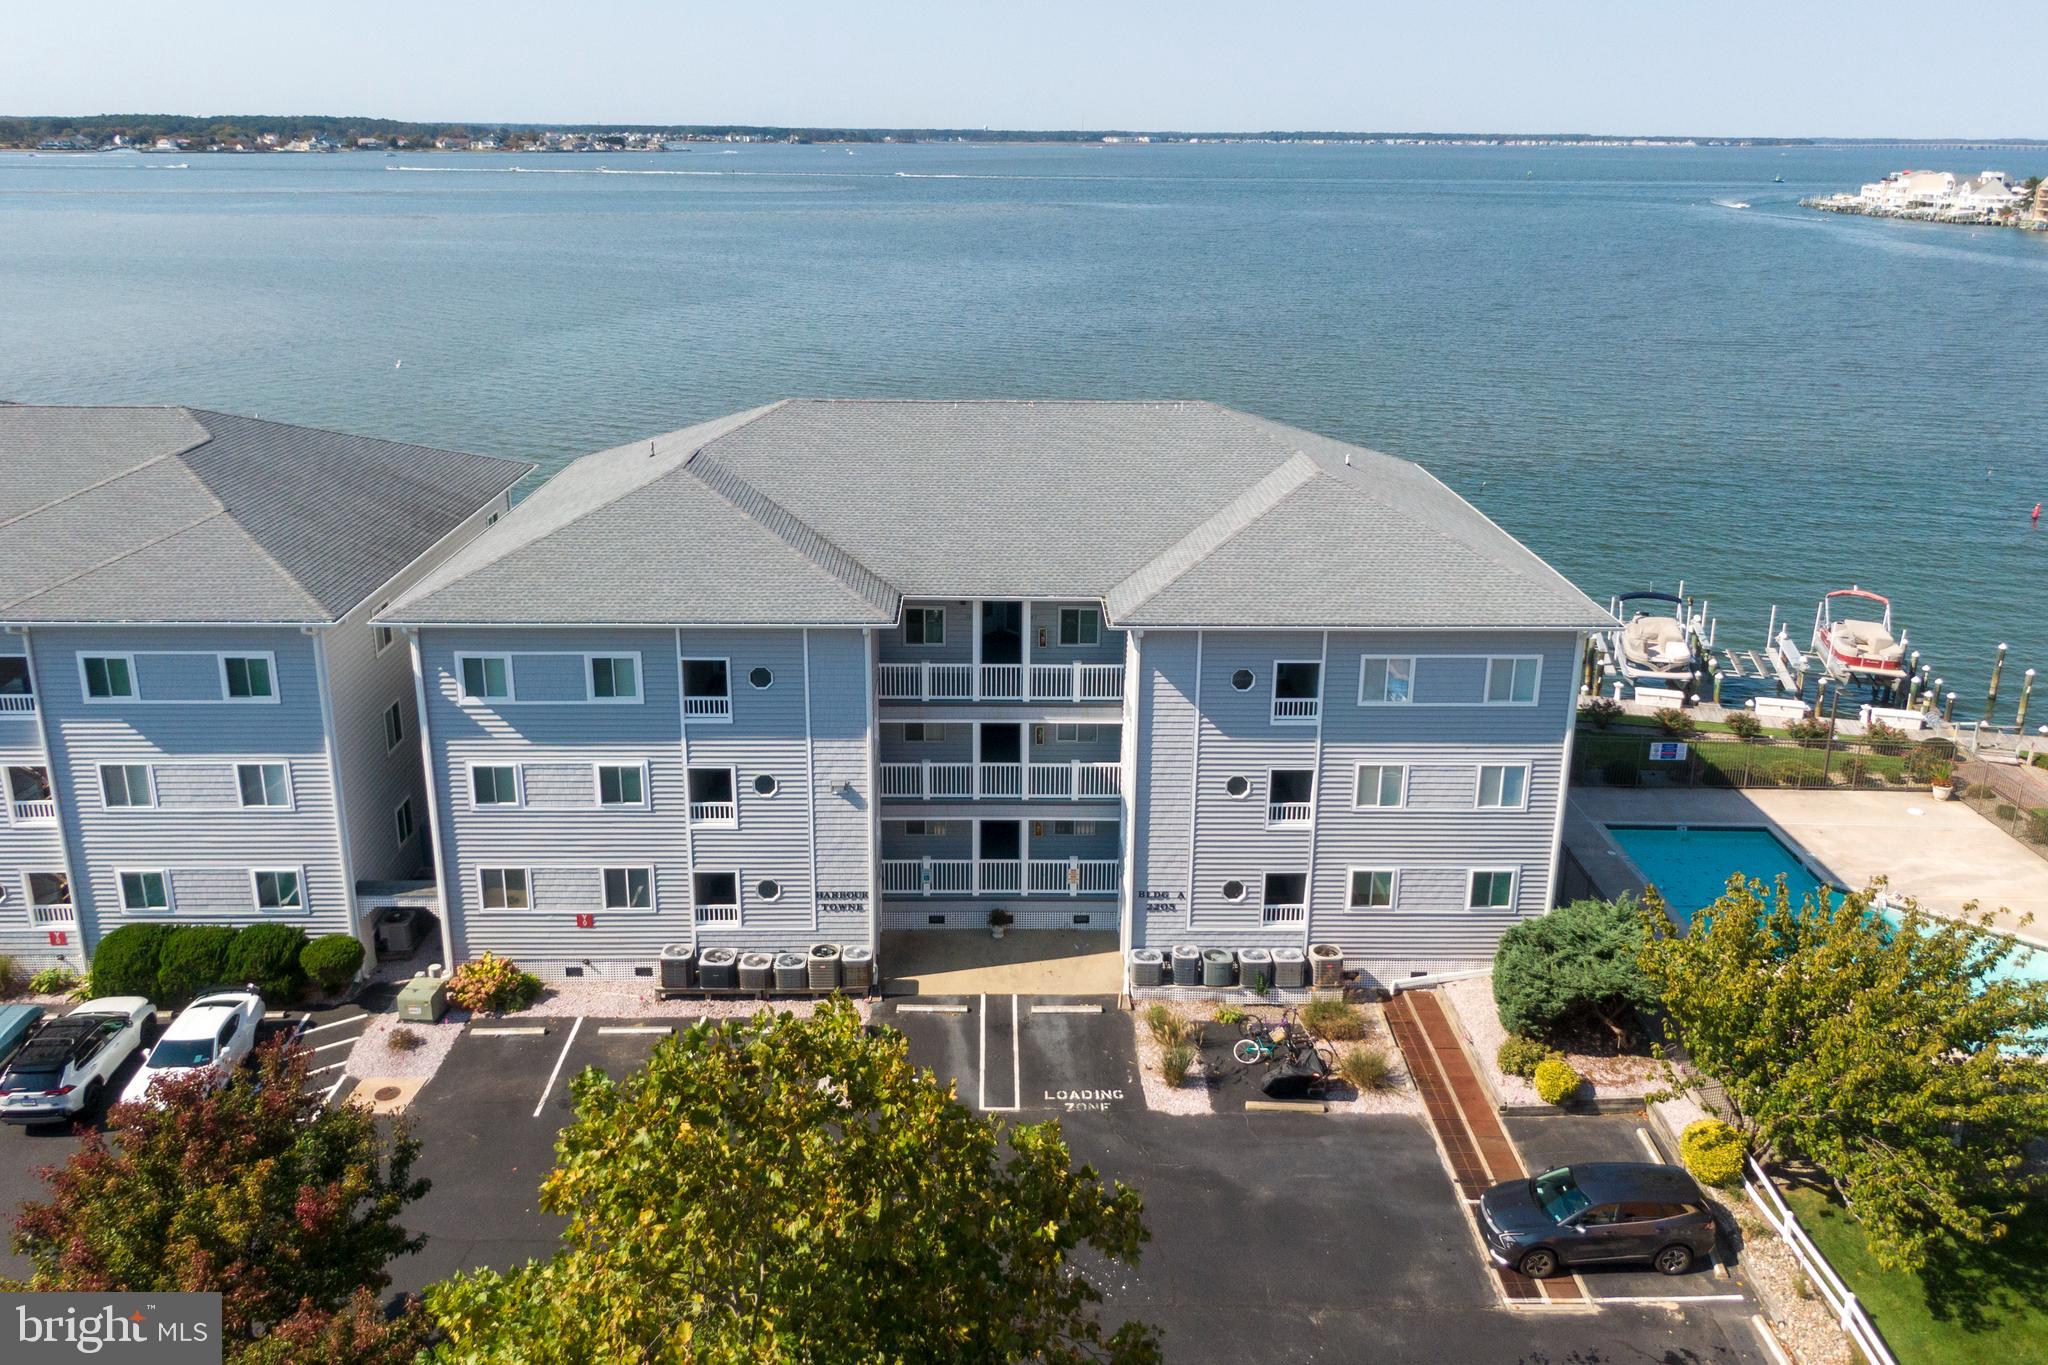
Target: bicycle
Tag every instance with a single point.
(1263, 1042)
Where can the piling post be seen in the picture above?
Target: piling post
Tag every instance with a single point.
(2026, 695)
(1991, 697)
(1934, 697)
(1717, 687)
(1948, 708)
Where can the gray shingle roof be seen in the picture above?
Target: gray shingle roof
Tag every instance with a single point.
(829, 512)
(175, 515)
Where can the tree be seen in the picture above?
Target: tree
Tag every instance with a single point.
(1571, 968)
(793, 1189)
(288, 1209)
(1890, 1056)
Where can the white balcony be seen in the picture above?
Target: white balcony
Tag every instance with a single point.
(53, 916)
(35, 812)
(1073, 876)
(714, 812)
(1289, 813)
(1285, 914)
(999, 779)
(1000, 877)
(1075, 682)
(1002, 682)
(1296, 710)
(1076, 779)
(925, 682)
(707, 708)
(18, 702)
(718, 914)
(1035, 782)
(927, 876)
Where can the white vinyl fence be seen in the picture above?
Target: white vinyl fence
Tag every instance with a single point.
(1855, 1324)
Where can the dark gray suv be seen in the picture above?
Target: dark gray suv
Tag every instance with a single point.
(1596, 1213)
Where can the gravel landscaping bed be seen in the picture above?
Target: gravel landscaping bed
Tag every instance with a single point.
(374, 1056)
(1400, 1095)
(1478, 1019)
(635, 1000)
(1161, 1098)
(1798, 1314)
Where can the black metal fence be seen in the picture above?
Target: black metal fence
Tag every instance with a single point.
(1636, 757)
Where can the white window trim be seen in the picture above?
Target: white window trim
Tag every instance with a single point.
(639, 678)
(525, 872)
(939, 643)
(305, 905)
(1357, 777)
(1273, 693)
(1408, 700)
(1495, 660)
(733, 780)
(462, 692)
(382, 637)
(1479, 786)
(1485, 681)
(1247, 881)
(404, 808)
(518, 801)
(391, 745)
(170, 894)
(1514, 876)
(597, 783)
(1060, 628)
(750, 887)
(1270, 803)
(683, 697)
(1393, 892)
(291, 791)
(134, 678)
(149, 769)
(653, 891)
(269, 658)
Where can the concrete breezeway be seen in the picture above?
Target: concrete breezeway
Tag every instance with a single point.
(949, 962)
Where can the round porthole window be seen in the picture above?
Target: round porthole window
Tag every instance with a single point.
(1233, 890)
(769, 890)
(1242, 680)
(760, 677)
(765, 784)
(1238, 786)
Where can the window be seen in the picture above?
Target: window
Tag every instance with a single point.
(1381, 786)
(145, 893)
(707, 691)
(760, 677)
(1080, 626)
(621, 784)
(1492, 891)
(924, 732)
(1385, 680)
(1237, 786)
(924, 625)
(394, 726)
(711, 796)
(278, 891)
(504, 888)
(768, 889)
(247, 677)
(1242, 680)
(264, 784)
(1076, 734)
(108, 676)
(1371, 889)
(494, 785)
(628, 888)
(491, 520)
(1233, 890)
(1512, 682)
(1290, 796)
(485, 677)
(1286, 897)
(715, 888)
(765, 784)
(126, 785)
(14, 679)
(1297, 692)
(383, 636)
(402, 819)
(920, 828)
(615, 677)
(1503, 786)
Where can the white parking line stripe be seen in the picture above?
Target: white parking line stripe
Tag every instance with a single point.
(533, 1031)
(567, 1043)
(337, 1023)
(327, 1095)
(981, 1067)
(346, 1042)
(1769, 1338)
(331, 1066)
(931, 1009)
(636, 1028)
(1066, 1009)
(1674, 1300)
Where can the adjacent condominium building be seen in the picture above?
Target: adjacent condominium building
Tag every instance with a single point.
(197, 719)
(829, 668)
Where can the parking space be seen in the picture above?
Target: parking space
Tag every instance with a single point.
(1031, 1056)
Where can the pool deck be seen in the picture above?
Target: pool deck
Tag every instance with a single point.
(1941, 853)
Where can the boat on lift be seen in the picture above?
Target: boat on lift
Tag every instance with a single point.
(1855, 648)
(1661, 640)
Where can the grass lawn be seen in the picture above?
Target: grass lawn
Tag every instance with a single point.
(1989, 1306)
(1736, 763)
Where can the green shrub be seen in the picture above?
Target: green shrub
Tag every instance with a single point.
(1166, 1027)
(1366, 1069)
(492, 984)
(1229, 1015)
(1676, 722)
(1572, 968)
(1518, 1056)
(1713, 1152)
(194, 957)
(2037, 826)
(1928, 756)
(266, 956)
(1886, 739)
(12, 978)
(125, 963)
(1556, 1082)
(1854, 769)
(1744, 725)
(1175, 1063)
(1334, 1020)
(1602, 712)
(1811, 731)
(403, 1039)
(54, 981)
(332, 961)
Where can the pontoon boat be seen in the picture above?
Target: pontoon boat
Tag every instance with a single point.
(1856, 649)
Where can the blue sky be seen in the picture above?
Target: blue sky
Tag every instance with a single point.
(1795, 67)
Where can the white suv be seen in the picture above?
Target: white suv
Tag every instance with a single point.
(65, 1066)
(215, 1031)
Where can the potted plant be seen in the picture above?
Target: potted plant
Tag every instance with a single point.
(1941, 780)
(999, 919)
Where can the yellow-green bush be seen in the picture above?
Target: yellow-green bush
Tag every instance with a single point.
(1555, 1080)
(1713, 1151)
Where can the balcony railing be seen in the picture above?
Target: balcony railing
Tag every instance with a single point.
(1076, 779)
(1036, 782)
(35, 812)
(999, 876)
(707, 708)
(1076, 682)
(713, 812)
(53, 916)
(718, 914)
(999, 779)
(1288, 813)
(1296, 710)
(1285, 914)
(17, 701)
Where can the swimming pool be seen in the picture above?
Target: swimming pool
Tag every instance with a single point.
(1690, 864)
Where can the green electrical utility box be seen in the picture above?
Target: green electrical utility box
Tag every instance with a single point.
(423, 1000)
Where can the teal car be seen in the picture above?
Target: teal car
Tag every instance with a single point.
(16, 1023)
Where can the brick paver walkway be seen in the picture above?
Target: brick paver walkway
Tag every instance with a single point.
(1465, 1121)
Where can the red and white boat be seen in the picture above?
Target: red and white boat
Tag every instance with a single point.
(1856, 648)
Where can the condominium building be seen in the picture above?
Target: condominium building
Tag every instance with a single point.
(828, 668)
(197, 719)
